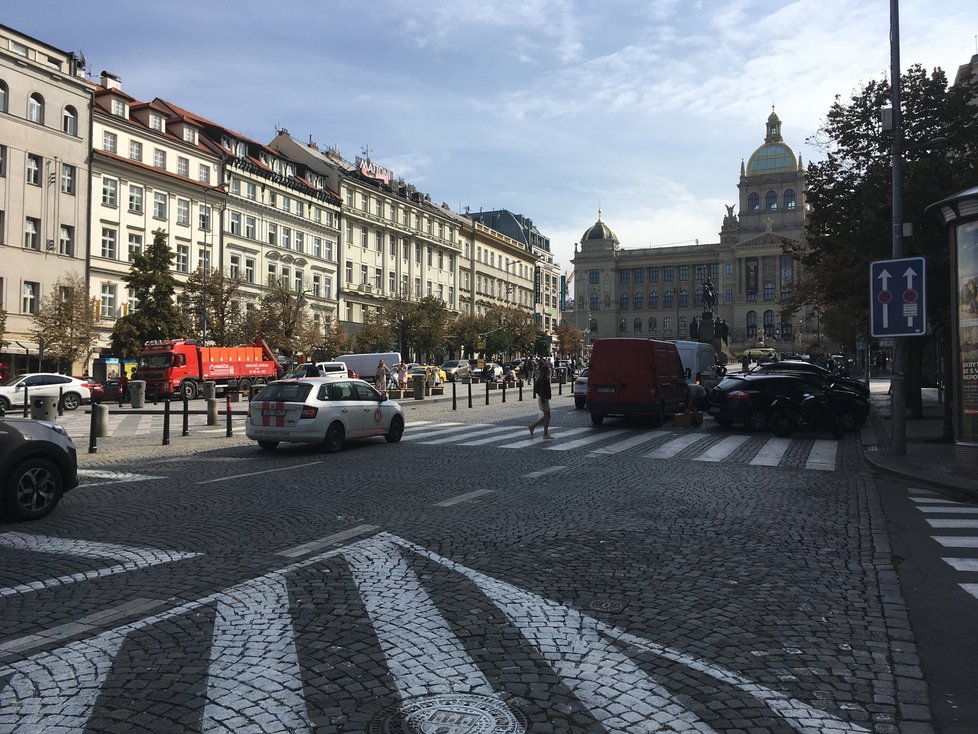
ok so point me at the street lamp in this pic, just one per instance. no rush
(675, 295)
(206, 260)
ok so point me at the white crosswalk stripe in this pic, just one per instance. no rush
(630, 443)
(958, 518)
(772, 452)
(670, 449)
(722, 450)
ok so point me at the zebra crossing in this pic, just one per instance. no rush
(258, 673)
(955, 529)
(703, 445)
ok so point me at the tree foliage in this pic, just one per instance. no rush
(333, 338)
(375, 335)
(570, 340)
(217, 295)
(510, 330)
(65, 322)
(464, 333)
(282, 319)
(156, 315)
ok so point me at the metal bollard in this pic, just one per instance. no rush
(470, 393)
(186, 415)
(211, 411)
(92, 436)
(156, 397)
(560, 387)
(166, 421)
(454, 400)
(61, 401)
(230, 430)
(521, 389)
(487, 393)
(27, 402)
(101, 413)
(504, 391)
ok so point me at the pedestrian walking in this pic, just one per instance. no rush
(402, 371)
(381, 378)
(541, 385)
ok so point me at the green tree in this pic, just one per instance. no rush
(426, 329)
(375, 335)
(510, 330)
(282, 319)
(216, 294)
(464, 332)
(850, 194)
(65, 322)
(333, 339)
(570, 340)
(156, 315)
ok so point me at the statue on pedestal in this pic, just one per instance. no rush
(709, 295)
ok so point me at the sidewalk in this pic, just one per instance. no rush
(929, 459)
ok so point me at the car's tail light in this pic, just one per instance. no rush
(309, 411)
(699, 378)
(738, 395)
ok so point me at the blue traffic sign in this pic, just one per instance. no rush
(897, 302)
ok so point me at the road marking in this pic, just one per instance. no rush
(253, 657)
(132, 558)
(952, 523)
(771, 452)
(954, 541)
(971, 589)
(593, 438)
(415, 424)
(723, 449)
(962, 564)
(949, 510)
(512, 433)
(930, 501)
(481, 430)
(537, 439)
(442, 428)
(334, 539)
(463, 497)
(258, 473)
(670, 449)
(822, 455)
(544, 472)
(114, 477)
(630, 443)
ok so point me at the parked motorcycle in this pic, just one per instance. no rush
(815, 412)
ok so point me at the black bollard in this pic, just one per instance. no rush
(470, 393)
(61, 401)
(122, 393)
(521, 389)
(560, 387)
(156, 396)
(92, 438)
(504, 390)
(166, 421)
(454, 400)
(487, 393)
(186, 415)
(27, 402)
(227, 398)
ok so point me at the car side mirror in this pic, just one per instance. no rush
(687, 373)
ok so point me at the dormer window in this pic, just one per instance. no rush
(241, 150)
(277, 167)
(190, 135)
(155, 122)
(226, 142)
(290, 170)
(118, 107)
(263, 157)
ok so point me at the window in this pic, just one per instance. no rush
(363, 238)
(653, 299)
(637, 326)
(297, 280)
(364, 274)
(684, 272)
(234, 223)
(769, 330)
(594, 302)
(667, 299)
(155, 121)
(683, 297)
(118, 107)
(698, 272)
(159, 158)
(204, 173)
(713, 271)
(3, 160)
(30, 297)
(182, 261)
(32, 234)
(135, 198)
(272, 233)
(728, 295)
(317, 246)
(683, 327)
(348, 271)
(250, 191)
(249, 270)
(728, 268)
(392, 281)
(639, 299)
(108, 301)
(135, 245)
(638, 276)
(667, 325)
(789, 199)
(768, 290)
(417, 287)
(135, 150)
(698, 296)
(250, 227)
(379, 241)
(34, 169)
(624, 277)
(66, 240)
(300, 242)
(594, 277)
(109, 241)
(286, 204)
(110, 142)
(183, 166)
(287, 238)
(751, 324)
(4, 92)
(132, 303)
(327, 287)
(753, 202)
(771, 200)
(190, 135)
(624, 301)
(653, 275)
(35, 108)
(378, 278)
(667, 274)
(159, 205)
(69, 121)
(328, 250)
(234, 265)
(652, 325)
(183, 211)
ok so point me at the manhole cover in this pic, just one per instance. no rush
(449, 713)
(607, 605)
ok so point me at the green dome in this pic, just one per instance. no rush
(599, 231)
(772, 158)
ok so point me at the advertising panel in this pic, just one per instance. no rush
(967, 341)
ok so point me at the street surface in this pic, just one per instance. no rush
(467, 579)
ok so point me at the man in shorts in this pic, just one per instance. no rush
(542, 386)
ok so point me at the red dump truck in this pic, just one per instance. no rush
(181, 367)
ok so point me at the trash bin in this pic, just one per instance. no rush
(210, 390)
(44, 407)
(137, 393)
(234, 394)
(418, 381)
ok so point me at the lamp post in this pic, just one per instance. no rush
(675, 295)
(208, 243)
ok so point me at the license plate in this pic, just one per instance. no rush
(606, 389)
(273, 413)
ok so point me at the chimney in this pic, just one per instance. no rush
(111, 81)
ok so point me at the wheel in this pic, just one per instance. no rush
(782, 425)
(579, 402)
(838, 425)
(244, 387)
(33, 489)
(597, 419)
(847, 420)
(756, 421)
(268, 445)
(396, 430)
(334, 438)
(70, 400)
(188, 389)
(4, 405)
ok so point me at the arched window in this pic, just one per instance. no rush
(594, 302)
(789, 199)
(69, 121)
(637, 326)
(653, 299)
(624, 301)
(622, 326)
(751, 324)
(35, 108)
(667, 325)
(652, 325)
(3, 96)
(769, 323)
(683, 328)
(753, 202)
(683, 297)
(667, 299)
(771, 200)
(698, 296)
(639, 300)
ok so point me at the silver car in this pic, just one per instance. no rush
(72, 390)
(323, 411)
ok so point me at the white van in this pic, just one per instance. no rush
(699, 363)
(365, 365)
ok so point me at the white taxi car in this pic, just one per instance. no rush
(323, 411)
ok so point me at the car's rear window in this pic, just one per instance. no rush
(290, 392)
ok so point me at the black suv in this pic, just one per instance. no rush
(747, 399)
(38, 464)
(797, 365)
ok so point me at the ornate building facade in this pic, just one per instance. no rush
(657, 292)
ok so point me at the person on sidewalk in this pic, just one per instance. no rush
(541, 384)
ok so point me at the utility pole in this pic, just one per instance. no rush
(898, 416)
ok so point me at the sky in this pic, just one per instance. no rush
(554, 109)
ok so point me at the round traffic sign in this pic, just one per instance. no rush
(910, 296)
(885, 296)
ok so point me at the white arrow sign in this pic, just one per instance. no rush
(909, 274)
(885, 277)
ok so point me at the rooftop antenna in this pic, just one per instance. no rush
(366, 152)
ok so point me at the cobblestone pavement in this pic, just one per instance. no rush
(467, 579)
